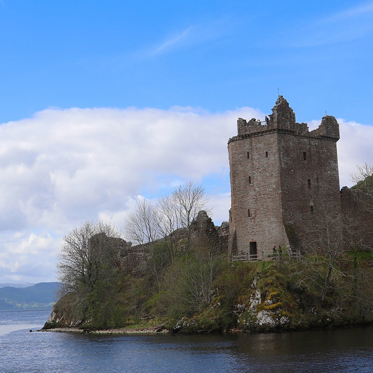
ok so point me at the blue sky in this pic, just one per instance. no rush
(216, 55)
(103, 102)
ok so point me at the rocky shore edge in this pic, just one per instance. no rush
(119, 331)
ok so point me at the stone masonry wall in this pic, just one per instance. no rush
(310, 191)
(255, 191)
(357, 213)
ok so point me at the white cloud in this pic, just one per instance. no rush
(354, 148)
(63, 167)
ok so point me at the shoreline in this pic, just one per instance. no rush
(159, 330)
(119, 331)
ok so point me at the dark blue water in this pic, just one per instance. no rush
(344, 350)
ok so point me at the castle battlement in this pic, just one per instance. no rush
(283, 120)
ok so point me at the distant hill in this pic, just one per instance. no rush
(22, 285)
(41, 295)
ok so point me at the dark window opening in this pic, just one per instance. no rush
(311, 208)
(253, 249)
(249, 179)
(309, 183)
(266, 154)
(305, 156)
(248, 213)
(248, 154)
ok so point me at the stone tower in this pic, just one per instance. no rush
(284, 184)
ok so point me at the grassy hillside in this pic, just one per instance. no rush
(37, 296)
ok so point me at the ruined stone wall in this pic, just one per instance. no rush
(357, 215)
(130, 258)
(205, 236)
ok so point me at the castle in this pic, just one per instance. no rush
(284, 193)
(285, 188)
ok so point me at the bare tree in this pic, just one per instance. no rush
(155, 226)
(169, 223)
(150, 222)
(169, 217)
(142, 225)
(362, 173)
(189, 199)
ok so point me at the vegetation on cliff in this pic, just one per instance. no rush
(185, 283)
(200, 292)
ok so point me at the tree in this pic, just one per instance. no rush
(363, 177)
(150, 222)
(188, 284)
(87, 262)
(169, 222)
(142, 225)
(188, 200)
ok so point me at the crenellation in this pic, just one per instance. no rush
(252, 126)
(302, 128)
(282, 120)
(329, 128)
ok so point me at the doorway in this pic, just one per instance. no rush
(253, 251)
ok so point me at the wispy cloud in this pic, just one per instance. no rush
(347, 25)
(193, 35)
(174, 41)
(360, 10)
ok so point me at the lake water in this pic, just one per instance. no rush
(343, 350)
